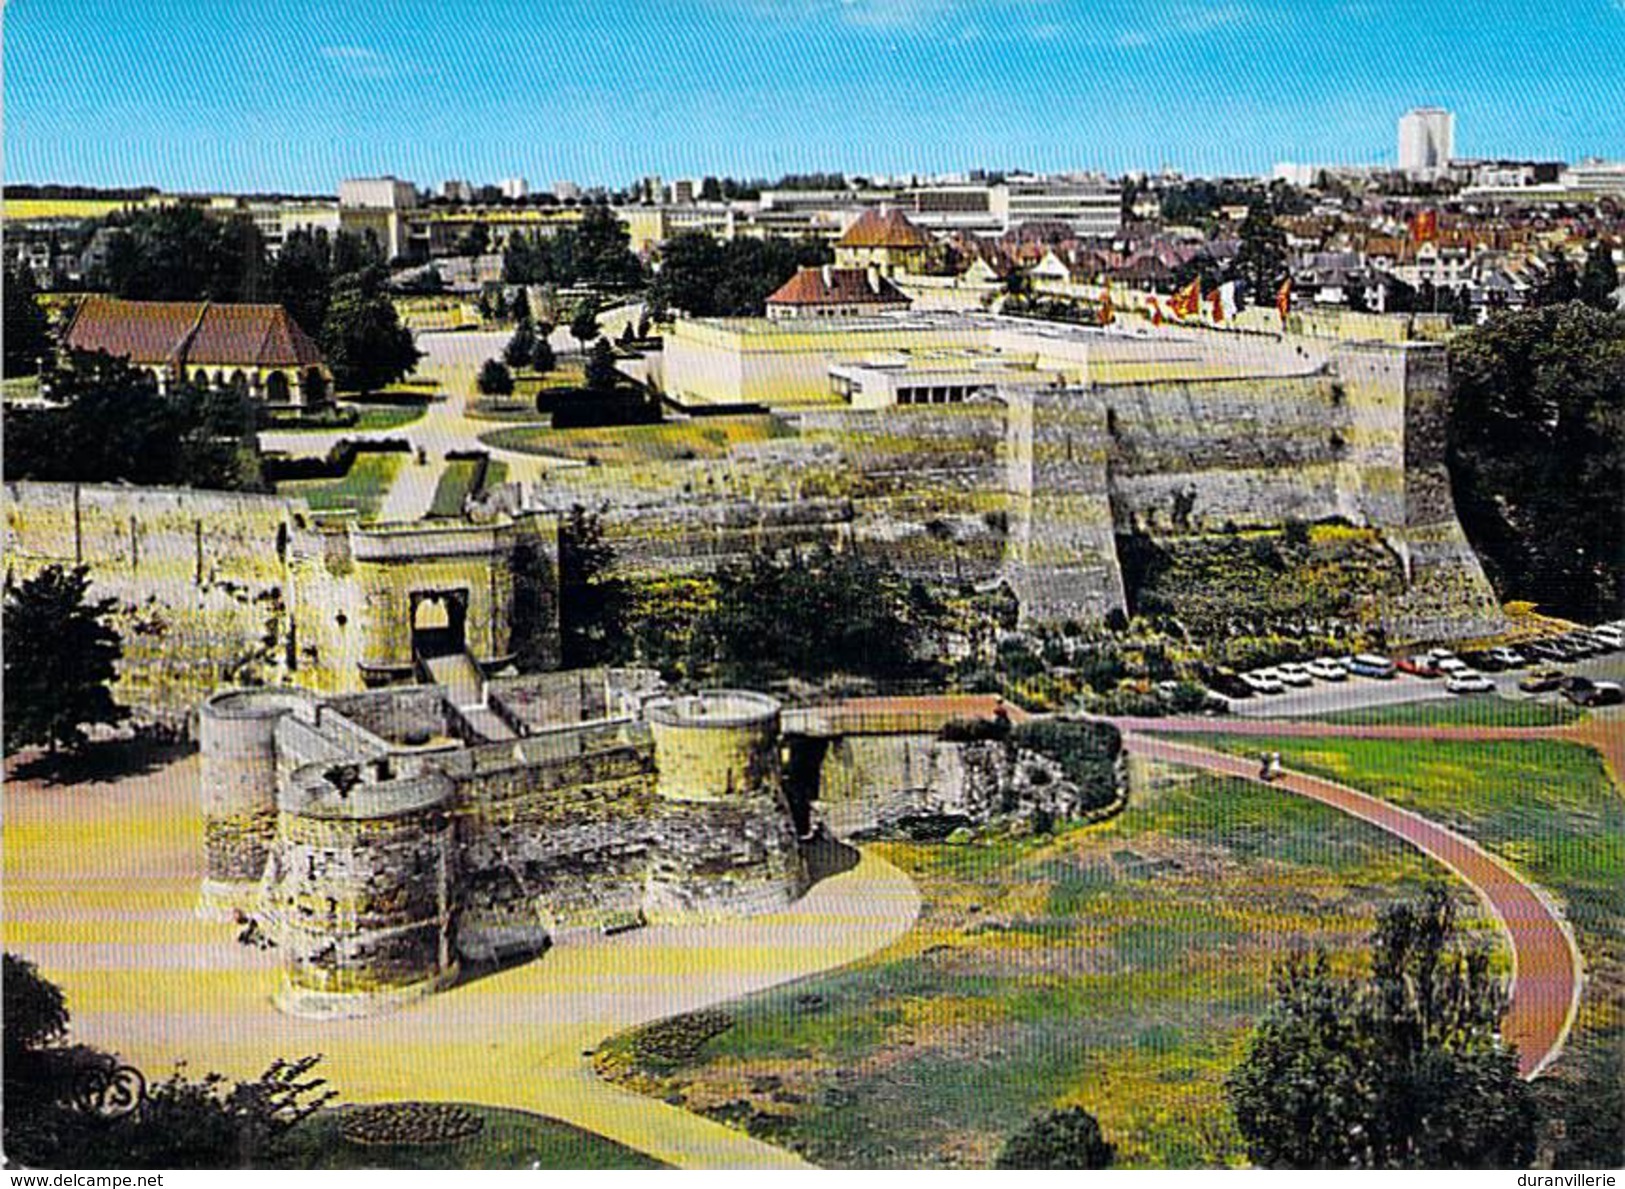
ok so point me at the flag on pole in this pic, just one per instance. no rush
(1188, 301)
(1107, 314)
(1156, 313)
(1283, 299)
(1425, 227)
(1224, 303)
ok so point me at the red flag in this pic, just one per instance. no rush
(1187, 301)
(1156, 313)
(1107, 315)
(1425, 226)
(1216, 305)
(1283, 299)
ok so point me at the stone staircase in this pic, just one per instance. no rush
(460, 678)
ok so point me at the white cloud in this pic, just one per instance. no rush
(1189, 20)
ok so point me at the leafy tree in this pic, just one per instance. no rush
(27, 337)
(1403, 1068)
(604, 257)
(302, 278)
(1537, 454)
(1261, 261)
(111, 425)
(542, 359)
(1560, 284)
(584, 324)
(592, 604)
(1599, 279)
(474, 242)
(706, 278)
(520, 309)
(61, 658)
(602, 378)
(495, 378)
(710, 190)
(1069, 1139)
(522, 345)
(365, 343)
(180, 254)
(35, 1012)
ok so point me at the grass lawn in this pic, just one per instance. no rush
(19, 387)
(709, 437)
(1479, 711)
(364, 488)
(509, 1139)
(371, 416)
(1117, 966)
(1550, 810)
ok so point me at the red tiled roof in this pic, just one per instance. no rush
(890, 229)
(837, 286)
(191, 332)
(143, 331)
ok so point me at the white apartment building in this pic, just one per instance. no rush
(1427, 141)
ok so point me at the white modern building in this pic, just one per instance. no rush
(1427, 141)
(457, 190)
(514, 188)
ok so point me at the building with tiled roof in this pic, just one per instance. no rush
(883, 239)
(829, 292)
(258, 348)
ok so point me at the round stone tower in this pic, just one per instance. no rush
(360, 890)
(717, 745)
(238, 778)
(726, 841)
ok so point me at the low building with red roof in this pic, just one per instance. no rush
(258, 348)
(829, 292)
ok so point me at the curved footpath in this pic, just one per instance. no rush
(1546, 964)
(101, 880)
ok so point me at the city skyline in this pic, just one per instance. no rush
(763, 88)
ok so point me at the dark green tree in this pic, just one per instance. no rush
(584, 324)
(706, 278)
(542, 359)
(61, 657)
(520, 309)
(710, 190)
(1261, 261)
(1537, 454)
(521, 346)
(365, 343)
(592, 603)
(302, 278)
(602, 252)
(1560, 284)
(180, 254)
(1069, 1139)
(27, 333)
(35, 1013)
(1401, 1068)
(495, 379)
(474, 242)
(602, 378)
(1599, 279)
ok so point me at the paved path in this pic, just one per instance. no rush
(1547, 969)
(101, 880)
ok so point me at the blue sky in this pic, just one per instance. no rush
(294, 94)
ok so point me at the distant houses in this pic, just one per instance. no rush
(257, 348)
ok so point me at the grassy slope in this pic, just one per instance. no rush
(510, 1139)
(364, 488)
(1485, 711)
(1546, 807)
(712, 437)
(1118, 966)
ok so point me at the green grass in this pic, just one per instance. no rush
(19, 387)
(455, 485)
(370, 417)
(710, 437)
(1119, 966)
(1479, 711)
(364, 488)
(510, 1139)
(1549, 809)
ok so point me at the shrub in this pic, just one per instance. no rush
(495, 378)
(1086, 751)
(1069, 1139)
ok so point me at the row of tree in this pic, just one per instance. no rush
(595, 252)
(705, 277)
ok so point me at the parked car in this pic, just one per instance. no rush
(1583, 691)
(1510, 658)
(1484, 660)
(1469, 682)
(1543, 681)
(1369, 664)
(1293, 674)
(1327, 669)
(1546, 650)
(1609, 635)
(1229, 684)
(1579, 645)
(1261, 683)
(1452, 665)
(1418, 666)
